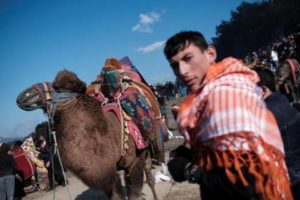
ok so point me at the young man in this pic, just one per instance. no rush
(237, 151)
(288, 120)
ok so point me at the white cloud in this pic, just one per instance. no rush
(152, 47)
(146, 21)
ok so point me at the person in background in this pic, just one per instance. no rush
(26, 168)
(8, 168)
(297, 42)
(46, 156)
(51, 163)
(236, 148)
(274, 58)
(288, 81)
(174, 110)
(288, 120)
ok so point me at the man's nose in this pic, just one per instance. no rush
(183, 67)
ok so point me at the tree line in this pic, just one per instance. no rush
(254, 25)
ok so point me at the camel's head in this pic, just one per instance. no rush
(66, 81)
(35, 96)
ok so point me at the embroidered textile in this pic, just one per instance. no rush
(229, 127)
(131, 127)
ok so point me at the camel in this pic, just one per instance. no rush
(89, 140)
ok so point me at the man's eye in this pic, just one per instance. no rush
(187, 58)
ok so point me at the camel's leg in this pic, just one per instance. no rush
(117, 193)
(149, 177)
(134, 179)
(113, 187)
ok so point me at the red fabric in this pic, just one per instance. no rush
(132, 128)
(24, 163)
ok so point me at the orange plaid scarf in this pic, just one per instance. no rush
(228, 126)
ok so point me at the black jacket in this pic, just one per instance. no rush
(288, 120)
(8, 165)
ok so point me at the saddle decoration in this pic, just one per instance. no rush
(123, 82)
(127, 125)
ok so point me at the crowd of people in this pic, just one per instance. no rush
(27, 166)
(273, 54)
(282, 58)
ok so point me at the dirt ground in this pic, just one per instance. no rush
(166, 190)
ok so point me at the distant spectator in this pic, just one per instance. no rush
(265, 59)
(181, 88)
(252, 60)
(24, 165)
(288, 80)
(288, 122)
(162, 101)
(283, 49)
(297, 42)
(51, 162)
(8, 169)
(274, 59)
(174, 110)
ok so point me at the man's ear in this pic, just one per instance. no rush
(264, 88)
(212, 54)
(266, 91)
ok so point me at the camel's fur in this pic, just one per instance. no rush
(89, 142)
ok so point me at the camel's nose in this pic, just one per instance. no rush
(22, 100)
(18, 100)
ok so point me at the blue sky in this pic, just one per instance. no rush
(40, 37)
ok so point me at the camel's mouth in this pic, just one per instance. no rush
(29, 99)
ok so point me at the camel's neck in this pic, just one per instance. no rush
(58, 97)
(85, 111)
(60, 100)
(88, 139)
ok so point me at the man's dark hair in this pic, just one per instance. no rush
(181, 40)
(267, 78)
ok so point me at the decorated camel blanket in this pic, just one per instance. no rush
(123, 83)
(130, 127)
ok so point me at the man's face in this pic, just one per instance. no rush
(190, 65)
